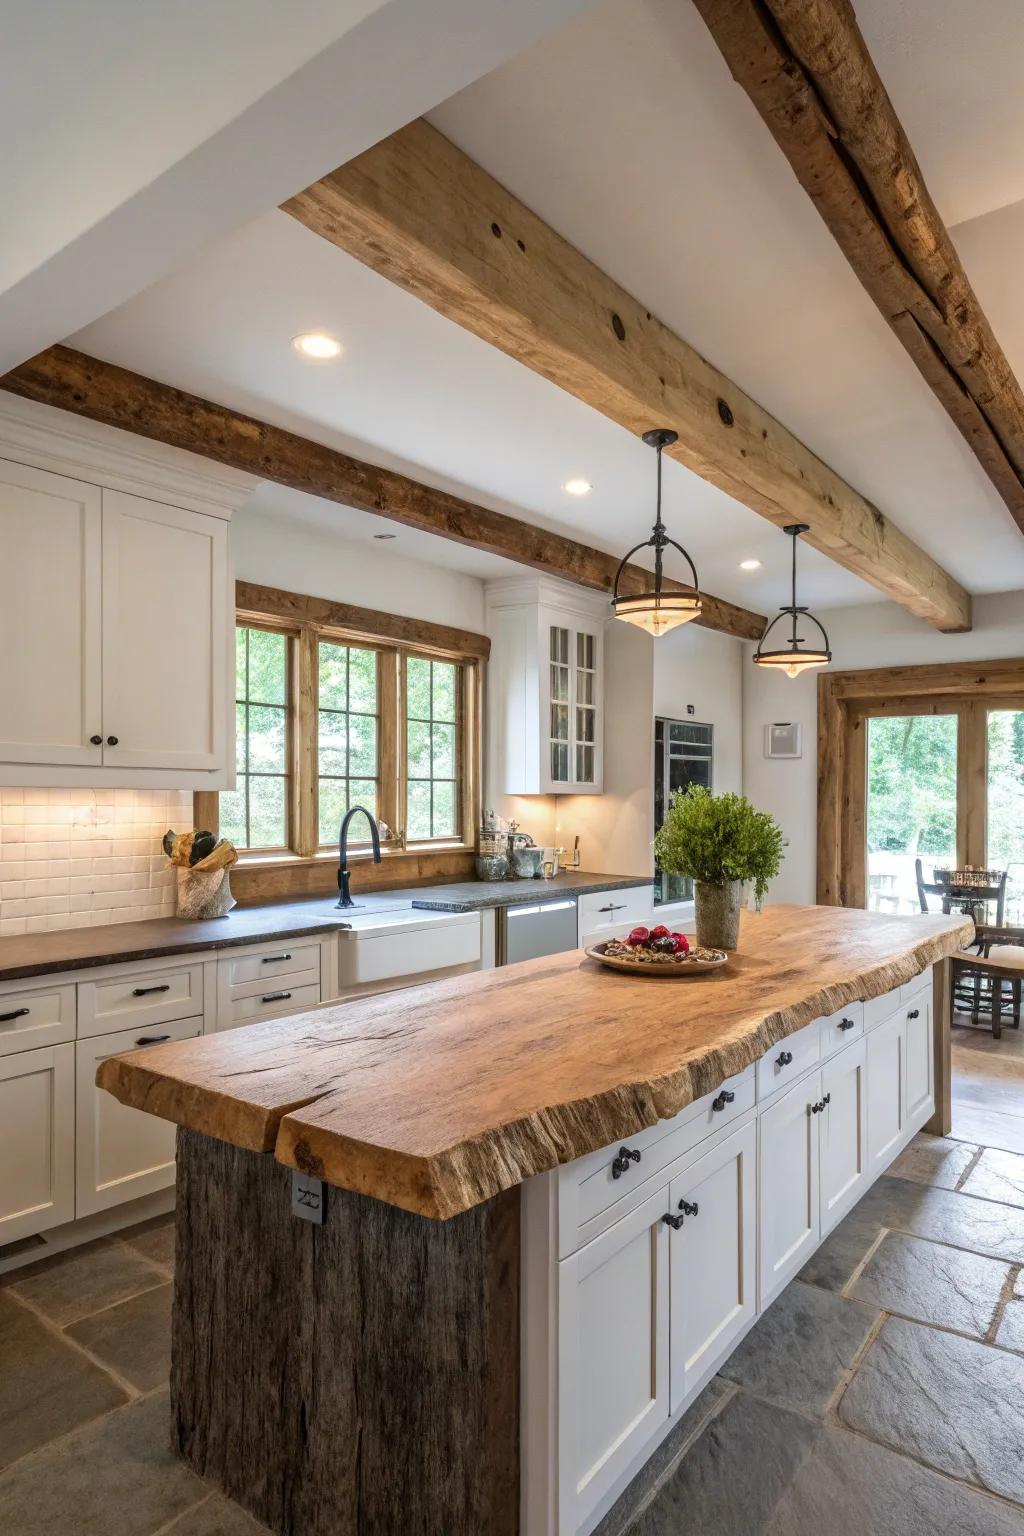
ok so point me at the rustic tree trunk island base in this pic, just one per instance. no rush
(364, 1376)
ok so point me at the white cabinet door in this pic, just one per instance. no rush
(571, 707)
(121, 1153)
(50, 706)
(843, 1133)
(712, 1258)
(613, 1311)
(37, 1141)
(919, 1061)
(887, 1092)
(789, 1173)
(165, 635)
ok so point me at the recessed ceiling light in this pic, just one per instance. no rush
(317, 345)
(578, 487)
(750, 565)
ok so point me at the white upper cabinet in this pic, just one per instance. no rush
(546, 691)
(118, 608)
(50, 697)
(165, 633)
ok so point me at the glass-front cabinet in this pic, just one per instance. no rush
(546, 686)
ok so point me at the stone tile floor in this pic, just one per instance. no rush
(881, 1395)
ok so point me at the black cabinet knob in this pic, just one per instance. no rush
(621, 1164)
(111, 741)
(689, 1207)
(915, 1013)
(96, 741)
(675, 1222)
(845, 1023)
(816, 1109)
(722, 1099)
(784, 1058)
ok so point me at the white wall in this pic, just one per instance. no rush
(705, 669)
(302, 557)
(874, 635)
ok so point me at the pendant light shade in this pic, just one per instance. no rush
(796, 654)
(658, 609)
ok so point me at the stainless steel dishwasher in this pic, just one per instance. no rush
(536, 928)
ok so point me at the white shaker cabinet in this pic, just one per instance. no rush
(50, 620)
(118, 608)
(613, 1310)
(843, 1133)
(789, 1184)
(546, 687)
(712, 1258)
(37, 1141)
(166, 623)
(887, 1092)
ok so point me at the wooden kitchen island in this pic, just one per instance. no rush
(489, 1328)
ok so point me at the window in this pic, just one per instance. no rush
(255, 813)
(348, 763)
(431, 749)
(327, 720)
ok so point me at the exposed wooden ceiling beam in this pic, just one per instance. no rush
(420, 212)
(807, 69)
(103, 392)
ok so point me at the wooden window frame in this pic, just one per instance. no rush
(307, 866)
(846, 700)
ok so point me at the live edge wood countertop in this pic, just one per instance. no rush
(437, 1097)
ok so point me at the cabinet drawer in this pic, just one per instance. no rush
(633, 905)
(121, 1153)
(289, 982)
(36, 1017)
(271, 1004)
(878, 1009)
(146, 999)
(599, 1189)
(841, 1028)
(283, 960)
(916, 985)
(785, 1061)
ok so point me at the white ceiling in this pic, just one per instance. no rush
(626, 133)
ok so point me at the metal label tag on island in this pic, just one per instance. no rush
(308, 1198)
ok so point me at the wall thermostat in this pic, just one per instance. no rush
(782, 739)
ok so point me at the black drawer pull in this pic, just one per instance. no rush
(675, 1222)
(784, 1058)
(621, 1164)
(273, 959)
(152, 1039)
(722, 1099)
(689, 1207)
(275, 997)
(915, 1013)
(613, 906)
(846, 1024)
(19, 1013)
(163, 986)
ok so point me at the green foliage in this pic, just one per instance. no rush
(912, 785)
(716, 838)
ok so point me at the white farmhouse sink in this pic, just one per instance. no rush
(404, 941)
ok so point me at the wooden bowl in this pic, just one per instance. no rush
(668, 968)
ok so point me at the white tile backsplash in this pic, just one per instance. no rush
(72, 858)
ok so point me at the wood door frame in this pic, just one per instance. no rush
(846, 700)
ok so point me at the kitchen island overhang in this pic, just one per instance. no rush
(364, 1375)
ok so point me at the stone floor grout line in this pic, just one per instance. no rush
(672, 1467)
(57, 1332)
(832, 1406)
(49, 1445)
(122, 1242)
(975, 1160)
(1005, 1295)
(167, 1529)
(862, 1263)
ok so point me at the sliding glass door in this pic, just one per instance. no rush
(911, 805)
(1004, 809)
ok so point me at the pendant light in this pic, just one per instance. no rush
(658, 610)
(797, 655)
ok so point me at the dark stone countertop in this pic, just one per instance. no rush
(72, 949)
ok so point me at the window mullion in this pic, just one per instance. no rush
(390, 741)
(304, 724)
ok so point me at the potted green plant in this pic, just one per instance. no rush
(719, 841)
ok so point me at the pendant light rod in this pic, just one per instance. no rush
(796, 655)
